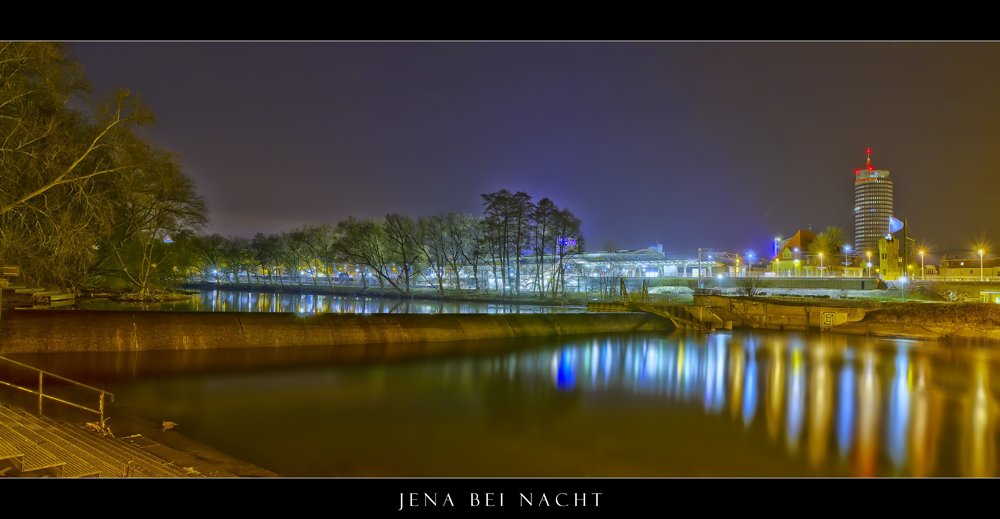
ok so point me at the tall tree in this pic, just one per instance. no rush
(59, 164)
(543, 239)
(497, 235)
(236, 252)
(522, 209)
(304, 245)
(508, 230)
(828, 244)
(155, 208)
(210, 250)
(570, 241)
(436, 247)
(407, 248)
(366, 243)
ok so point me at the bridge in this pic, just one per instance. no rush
(684, 317)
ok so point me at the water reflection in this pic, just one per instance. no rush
(643, 404)
(241, 301)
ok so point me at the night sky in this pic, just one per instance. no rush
(722, 145)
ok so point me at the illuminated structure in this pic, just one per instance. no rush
(872, 206)
(890, 262)
(789, 253)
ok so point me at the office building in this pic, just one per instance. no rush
(872, 207)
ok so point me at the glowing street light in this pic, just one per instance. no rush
(869, 263)
(847, 249)
(923, 271)
(821, 264)
(796, 268)
(980, 264)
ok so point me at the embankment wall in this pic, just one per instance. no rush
(44, 331)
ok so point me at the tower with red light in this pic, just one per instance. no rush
(872, 206)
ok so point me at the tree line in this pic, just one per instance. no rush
(87, 201)
(84, 197)
(516, 246)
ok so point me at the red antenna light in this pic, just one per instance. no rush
(869, 150)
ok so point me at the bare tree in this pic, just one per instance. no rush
(157, 207)
(366, 243)
(749, 287)
(406, 246)
(60, 165)
(543, 239)
(570, 242)
(436, 245)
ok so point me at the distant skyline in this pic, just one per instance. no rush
(722, 145)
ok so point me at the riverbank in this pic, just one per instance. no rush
(171, 445)
(357, 337)
(463, 296)
(929, 321)
(676, 294)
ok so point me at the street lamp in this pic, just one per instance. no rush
(980, 264)
(923, 271)
(821, 264)
(847, 249)
(796, 268)
(869, 263)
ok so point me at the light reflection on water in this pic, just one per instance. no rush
(243, 301)
(754, 403)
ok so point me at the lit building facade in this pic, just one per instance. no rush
(872, 207)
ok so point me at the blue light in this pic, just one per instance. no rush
(750, 392)
(845, 411)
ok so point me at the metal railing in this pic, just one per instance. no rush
(41, 394)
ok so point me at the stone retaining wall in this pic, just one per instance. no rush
(81, 330)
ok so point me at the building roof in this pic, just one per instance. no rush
(800, 241)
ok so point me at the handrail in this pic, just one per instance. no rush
(41, 394)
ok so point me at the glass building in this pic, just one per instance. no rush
(872, 207)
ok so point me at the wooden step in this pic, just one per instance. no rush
(108, 456)
(43, 429)
(35, 458)
(119, 452)
(73, 467)
(10, 455)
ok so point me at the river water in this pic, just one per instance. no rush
(749, 403)
(245, 301)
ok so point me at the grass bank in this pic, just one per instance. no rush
(930, 321)
(977, 316)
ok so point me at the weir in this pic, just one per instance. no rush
(95, 331)
(710, 312)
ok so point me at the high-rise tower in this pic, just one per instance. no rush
(872, 207)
